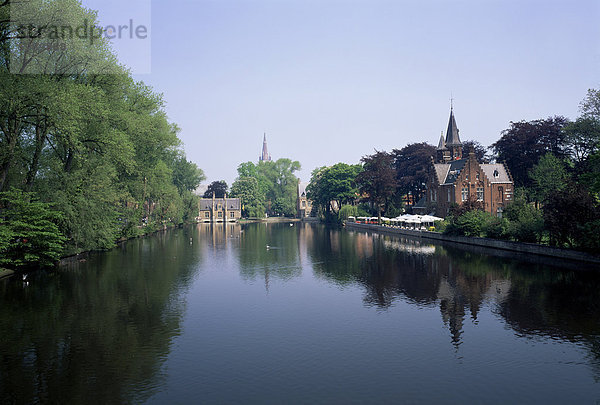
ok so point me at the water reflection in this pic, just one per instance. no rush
(100, 329)
(533, 299)
(270, 251)
(105, 328)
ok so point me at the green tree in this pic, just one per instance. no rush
(334, 184)
(548, 176)
(526, 223)
(246, 188)
(29, 234)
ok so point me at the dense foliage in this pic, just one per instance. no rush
(332, 187)
(95, 150)
(267, 187)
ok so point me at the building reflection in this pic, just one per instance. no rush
(534, 299)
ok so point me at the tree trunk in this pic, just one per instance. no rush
(11, 135)
(40, 140)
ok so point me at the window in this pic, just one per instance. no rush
(449, 195)
(479, 193)
(207, 214)
(232, 215)
(477, 176)
(501, 192)
(218, 206)
(303, 204)
(220, 214)
(464, 194)
(499, 212)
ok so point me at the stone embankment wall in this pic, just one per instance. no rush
(527, 248)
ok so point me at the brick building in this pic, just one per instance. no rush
(453, 179)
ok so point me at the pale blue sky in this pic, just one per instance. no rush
(329, 81)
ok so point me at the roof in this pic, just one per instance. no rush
(441, 170)
(232, 203)
(442, 144)
(454, 169)
(496, 172)
(302, 189)
(452, 137)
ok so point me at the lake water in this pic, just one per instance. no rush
(209, 314)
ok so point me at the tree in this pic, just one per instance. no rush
(481, 152)
(279, 183)
(219, 188)
(522, 145)
(246, 188)
(567, 216)
(378, 178)
(411, 163)
(549, 176)
(336, 183)
(526, 223)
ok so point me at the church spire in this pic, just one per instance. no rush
(452, 137)
(265, 153)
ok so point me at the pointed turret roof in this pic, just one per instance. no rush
(452, 137)
(442, 144)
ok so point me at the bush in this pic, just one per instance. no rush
(29, 235)
(496, 228)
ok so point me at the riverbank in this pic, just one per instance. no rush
(523, 248)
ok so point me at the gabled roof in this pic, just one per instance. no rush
(454, 170)
(452, 137)
(232, 203)
(302, 189)
(441, 171)
(496, 173)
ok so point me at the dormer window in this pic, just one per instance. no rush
(496, 174)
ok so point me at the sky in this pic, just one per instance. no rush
(333, 80)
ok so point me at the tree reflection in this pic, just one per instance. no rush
(534, 299)
(98, 329)
(269, 250)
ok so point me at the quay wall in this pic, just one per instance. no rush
(526, 248)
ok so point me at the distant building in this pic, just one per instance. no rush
(219, 209)
(304, 205)
(265, 157)
(454, 179)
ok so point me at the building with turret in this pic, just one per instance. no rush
(454, 178)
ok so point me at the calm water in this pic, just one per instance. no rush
(323, 316)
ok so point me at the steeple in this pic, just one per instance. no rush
(453, 142)
(452, 137)
(442, 144)
(265, 153)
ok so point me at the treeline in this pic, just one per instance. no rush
(384, 183)
(87, 155)
(555, 164)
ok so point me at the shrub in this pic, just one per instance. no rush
(29, 233)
